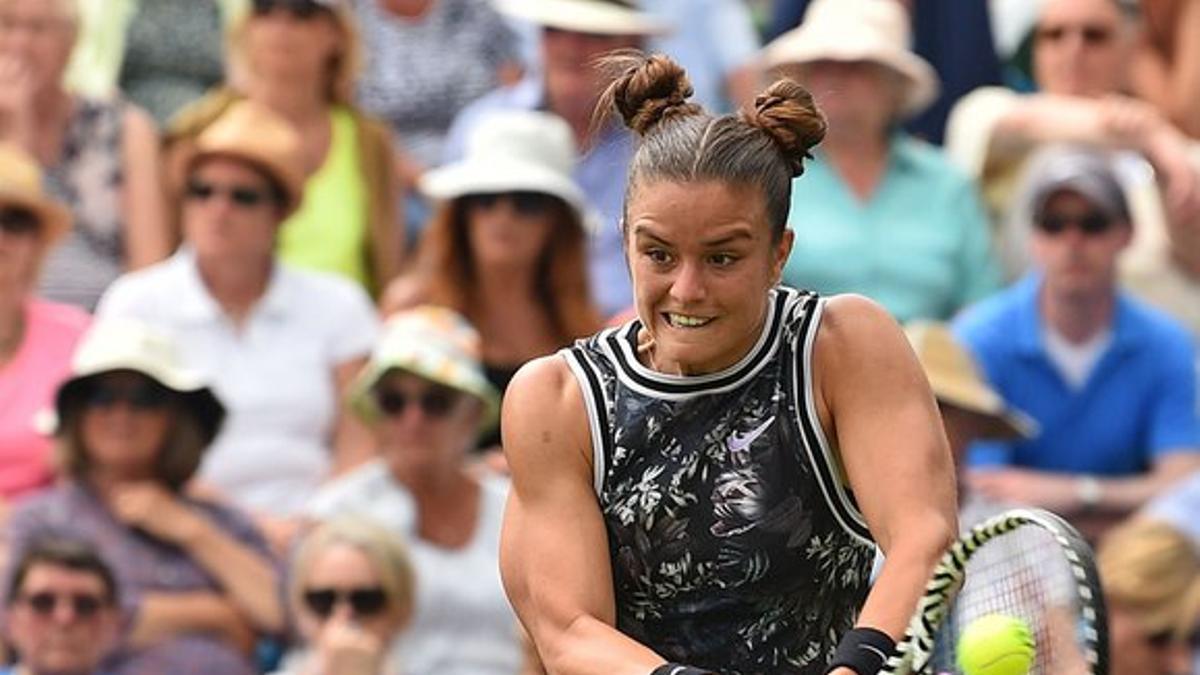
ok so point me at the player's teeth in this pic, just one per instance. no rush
(685, 321)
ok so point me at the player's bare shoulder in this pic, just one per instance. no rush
(855, 327)
(545, 422)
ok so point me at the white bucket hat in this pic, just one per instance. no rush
(434, 343)
(596, 17)
(112, 345)
(514, 151)
(858, 30)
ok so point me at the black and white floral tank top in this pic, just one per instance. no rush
(734, 543)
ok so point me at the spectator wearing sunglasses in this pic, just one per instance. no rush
(1082, 56)
(425, 395)
(1109, 380)
(196, 577)
(506, 247)
(1151, 578)
(351, 587)
(101, 156)
(61, 614)
(301, 60)
(37, 337)
(280, 344)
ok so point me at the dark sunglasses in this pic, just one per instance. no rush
(1093, 35)
(301, 9)
(240, 195)
(434, 402)
(146, 396)
(85, 606)
(524, 202)
(363, 601)
(18, 221)
(1090, 224)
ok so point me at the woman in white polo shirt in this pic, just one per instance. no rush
(279, 343)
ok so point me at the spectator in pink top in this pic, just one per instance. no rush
(36, 337)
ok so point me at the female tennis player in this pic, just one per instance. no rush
(701, 489)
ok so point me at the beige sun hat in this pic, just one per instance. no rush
(118, 344)
(251, 132)
(859, 30)
(596, 17)
(21, 185)
(434, 343)
(519, 150)
(956, 381)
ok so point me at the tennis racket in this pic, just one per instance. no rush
(1024, 563)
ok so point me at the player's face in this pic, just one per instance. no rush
(702, 259)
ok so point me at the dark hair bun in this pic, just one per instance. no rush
(645, 88)
(787, 112)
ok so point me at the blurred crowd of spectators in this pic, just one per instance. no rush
(267, 267)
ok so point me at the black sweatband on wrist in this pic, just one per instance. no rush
(863, 650)
(679, 669)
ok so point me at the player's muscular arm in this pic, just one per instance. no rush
(875, 398)
(553, 549)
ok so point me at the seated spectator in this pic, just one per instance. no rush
(37, 337)
(1151, 577)
(101, 157)
(300, 59)
(197, 577)
(280, 345)
(574, 34)
(879, 212)
(429, 60)
(426, 396)
(971, 410)
(506, 246)
(1110, 381)
(1081, 55)
(61, 616)
(1164, 69)
(351, 588)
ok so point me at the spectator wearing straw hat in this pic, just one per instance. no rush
(37, 337)
(507, 244)
(574, 34)
(197, 579)
(1110, 381)
(879, 212)
(280, 344)
(426, 397)
(300, 59)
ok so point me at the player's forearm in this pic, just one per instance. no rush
(589, 646)
(901, 582)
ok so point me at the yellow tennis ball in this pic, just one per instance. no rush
(996, 644)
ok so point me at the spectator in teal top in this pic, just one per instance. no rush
(879, 212)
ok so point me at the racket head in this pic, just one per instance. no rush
(1023, 563)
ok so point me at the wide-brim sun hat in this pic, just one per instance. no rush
(595, 17)
(956, 380)
(434, 343)
(119, 344)
(21, 186)
(252, 133)
(859, 30)
(514, 151)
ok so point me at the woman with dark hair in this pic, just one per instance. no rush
(197, 580)
(506, 246)
(706, 484)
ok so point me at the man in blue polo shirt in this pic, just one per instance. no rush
(1109, 380)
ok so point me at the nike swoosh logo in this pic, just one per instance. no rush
(739, 442)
